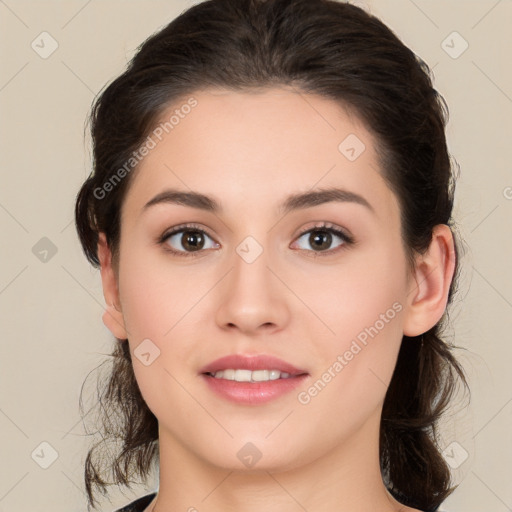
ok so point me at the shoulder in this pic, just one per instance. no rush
(139, 504)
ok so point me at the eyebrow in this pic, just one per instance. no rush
(298, 201)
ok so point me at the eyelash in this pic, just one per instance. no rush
(324, 226)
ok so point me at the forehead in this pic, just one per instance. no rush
(253, 148)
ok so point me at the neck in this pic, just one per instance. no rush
(346, 479)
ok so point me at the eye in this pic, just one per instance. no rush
(191, 240)
(320, 237)
(187, 240)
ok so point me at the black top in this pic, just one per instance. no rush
(140, 504)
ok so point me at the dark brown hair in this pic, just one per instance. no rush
(323, 47)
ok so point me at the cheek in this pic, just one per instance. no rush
(368, 288)
(162, 302)
(159, 304)
(361, 330)
(158, 296)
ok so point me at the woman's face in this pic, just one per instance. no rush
(263, 275)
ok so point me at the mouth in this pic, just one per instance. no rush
(241, 375)
(254, 363)
(252, 380)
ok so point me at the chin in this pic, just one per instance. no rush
(254, 455)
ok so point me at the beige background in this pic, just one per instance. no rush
(51, 329)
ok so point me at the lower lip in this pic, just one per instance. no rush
(253, 392)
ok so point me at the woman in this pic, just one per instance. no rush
(270, 208)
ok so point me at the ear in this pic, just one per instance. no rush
(112, 317)
(428, 293)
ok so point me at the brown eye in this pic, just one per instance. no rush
(321, 238)
(192, 240)
(185, 241)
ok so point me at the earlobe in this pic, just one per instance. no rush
(428, 294)
(112, 316)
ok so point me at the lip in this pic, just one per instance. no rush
(248, 362)
(252, 393)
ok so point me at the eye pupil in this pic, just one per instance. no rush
(315, 238)
(193, 240)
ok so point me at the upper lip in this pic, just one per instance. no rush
(251, 362)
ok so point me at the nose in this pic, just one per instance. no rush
(252, 298)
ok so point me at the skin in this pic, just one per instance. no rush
(250, 150)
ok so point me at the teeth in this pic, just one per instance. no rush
(250, 376)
